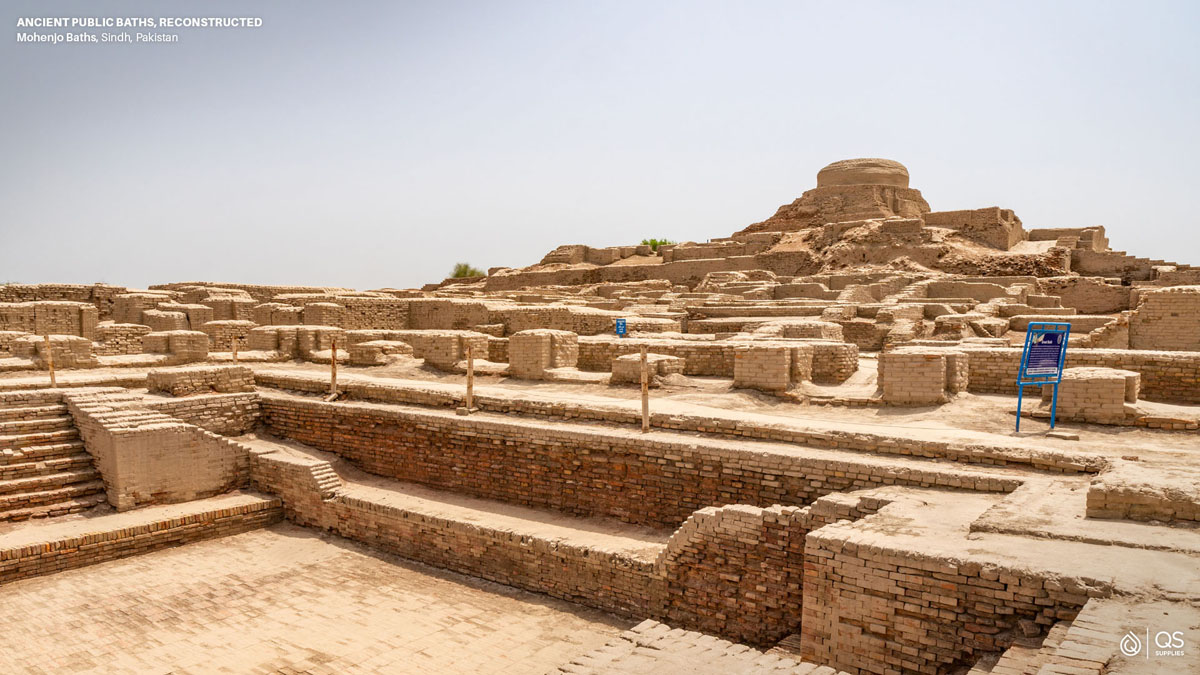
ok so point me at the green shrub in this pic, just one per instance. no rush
(655, 243)
(465, 270)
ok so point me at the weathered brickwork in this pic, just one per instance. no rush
(224, 414)
(147, 457)
(223, 333)
(200, 380)
(974, 453)
(1167, 319)
(1172, 377)
(68, 552)
(871, 609)
(583, 473)
(532, 352)
(119, 338)
(628, 369)
(184, 346)
(50, 317)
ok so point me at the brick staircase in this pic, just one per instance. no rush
(1027, 656)
(44, 469)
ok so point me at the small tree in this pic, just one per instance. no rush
(465, 270)
(655, 243)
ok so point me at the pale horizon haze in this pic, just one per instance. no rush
(376, 144)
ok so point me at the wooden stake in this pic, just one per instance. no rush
(50, 361)
(332, 369)
(645, 393)
(470, 379)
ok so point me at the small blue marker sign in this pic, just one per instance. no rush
(621, 327)
(1042, 361)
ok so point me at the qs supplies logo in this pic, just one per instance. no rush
(1163, 643)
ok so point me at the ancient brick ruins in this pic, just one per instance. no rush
(825, 477)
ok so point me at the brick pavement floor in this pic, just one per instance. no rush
(288, 600)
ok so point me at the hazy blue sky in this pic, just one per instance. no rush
(372, 144)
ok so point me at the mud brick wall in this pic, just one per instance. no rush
(200, 380)
(1129, 492)
(833, 362)
(376, 352)
(445, 348)
(119, 338)
(99, 295)
(532, 352)
(762, 367)
(147, 457)
(324, 314)
(197, 314)
(628, 369)
(912, 378)
(69, 351)
(222, 333)
(369, 313)
(7, 337)
(230, 308)
(48, 557)
(1094, 394)
(498, 349)
(223, 414)
(445, 313)
(872, 609)
(609, 581)
(1172, 377)
(128, 307)
(701, 358)
(994, 226)
(616, 473)
(298, 341)
(160, 320)
(50, 317)
(1088, 295)
(1168, 319)
(277, 314)
(184, 346)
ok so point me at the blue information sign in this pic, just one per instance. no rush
(1042, 361)
(621, 327)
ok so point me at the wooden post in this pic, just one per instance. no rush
(235, 344)
(332, 369)
(470, 380)
(645, 393)
(50, 361)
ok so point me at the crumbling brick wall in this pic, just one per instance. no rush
(532, 352)
(119, 338)
(200, 380)
(1167, 319)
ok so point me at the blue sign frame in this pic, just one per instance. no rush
(1042, 361)
(621, 330)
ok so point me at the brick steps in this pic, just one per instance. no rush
(62, 508)
(78, 460)
(47, 481)
(16, 503)
(44, 468)
(40, 452)
(1027, 655)
(31, 412)
(40, 424)
(17, 441)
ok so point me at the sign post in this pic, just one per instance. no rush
(621, 329)
(1042, 361)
